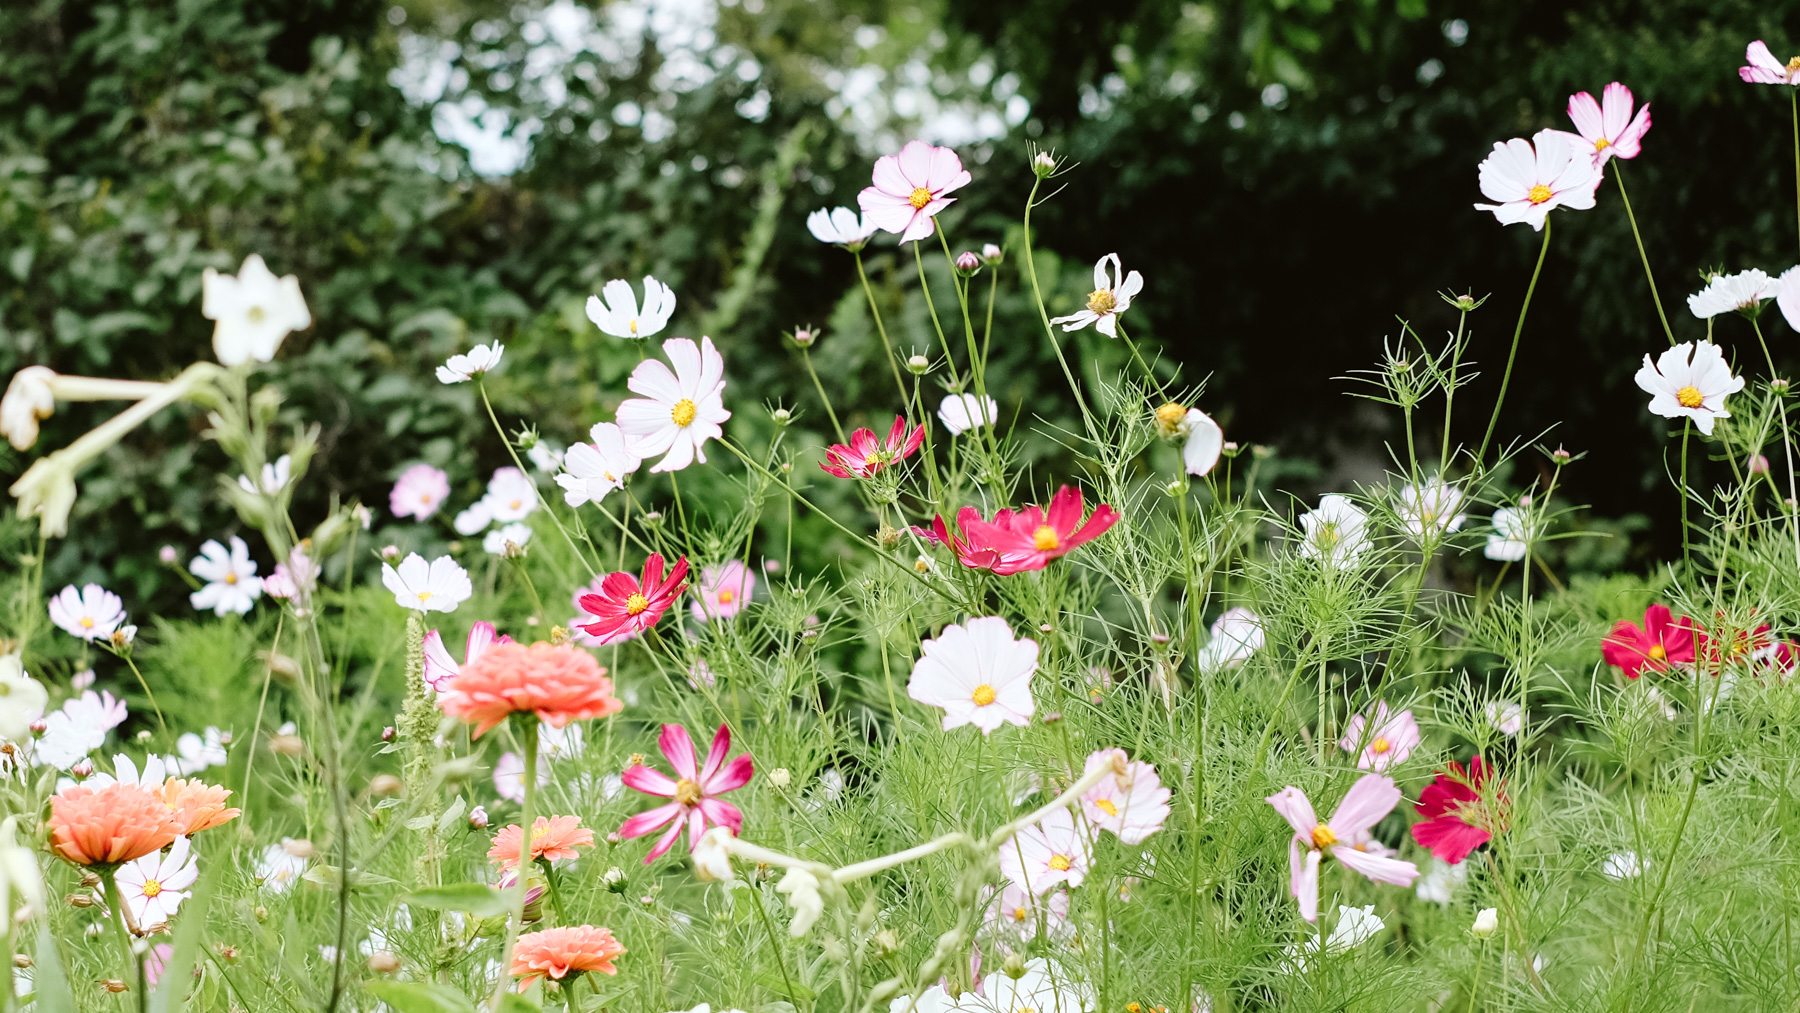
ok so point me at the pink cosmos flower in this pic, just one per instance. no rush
(909, 189)
(1658, 644)
(92, 613)
(1131, 807)
(418, 493)
(865, 455)
(1054, 850)
(723, 591)
(1528, 182)
(1028, 539)
(1370, 799)
(1458, 818)
(1765, 69)
(1609, 128)
(627, 606)
(695, 794)
(1015, 913)
(440, 667)
(1380, 741)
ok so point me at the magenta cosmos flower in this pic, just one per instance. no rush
(1607, 126)
(722, 591)
(1344, 836)
(865, 455)
(1026, 539)
(1765, 69)
(909, 189)
(418, 493)
(695, 803)
(627, 606)
(1380, 740)
(1527, 179)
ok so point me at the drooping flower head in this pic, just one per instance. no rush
(1763, 68)
(419, 492)
(1527, 179)
(680, 410)
(231, 581)
(1692, 381)
(1369, 800)
(252, 311)
(440, 667)
(555, 953)
(627, 606)
(1053, 850)
(865, 455)
(110, 825)
(592, 470)
(29, 399)
(1112, 295)
(1026, 539)
(1462, 811)
(559, 683)
(722, 591)
(618, 314)
(153, 887)
(841, 226)
(1132, 805)
(1202, 443)
(978, 673)
(438, 586)
(1335, 532)
(1379, 739)
(477, 361)
(693, 792)
(553, 839)
(92, 613)
(1608, 127)
(909, 189)
(962, 412)
(1657, 645)
(1743, 292)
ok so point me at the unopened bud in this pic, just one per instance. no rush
(967, 262)
(614, 838)
(287, 745)
(38, 727)
(168, 555)
(771, 566)
(1485, 923)
(383, 962)
(1159, 638)
(388, 733)
(1176, 487)
(80, 900)
(887, 943)
(782, 415)
(1465, 302)
(918, 365)
(21, 960)
(228, 954)
(1014, 967)
(478, 818)
(1046, 628)
(1759, 465)
(385, 784)
(90, 880)
(261, 913)
(809, 634)
(390, 552)
(1559, 456)
(991, 255)
(1042, 165)
(805, 336)
(114, 985)
(780, 777)
(299, 847)
(83, 769)
(653, 518)
(1053, 717)
(1779, 385)
(614, 880)
(888, 536)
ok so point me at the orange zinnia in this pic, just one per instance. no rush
(554, 953)
(559, 682)
(552, 839)
(197, 806)
(110, 825)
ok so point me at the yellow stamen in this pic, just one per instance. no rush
(1602, 144)
(87, 623)
(1106, 806)
(1045, 538)
(727, 596)
(1101, 301)
(231, 578)
(1060, 863)
(687, 792)
(636, 603)
(1327, 535)
(1689, 397)
(1658, 652)
(1539, 194)
(256, 315)
(424, 596)
(1020, 914)
(1381, 745)
(633, 325)
(1323, 836)
(983, 695)
(152, 887)
(683, 413)
(1793, 65)
(919, 198)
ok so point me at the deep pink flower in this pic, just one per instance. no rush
(1609, 128)
(695, 804)
(1345, 836)
(722, 591)
(440, 667)
(865, 455)
(1658, 644)
(1027, 539)
(627, 605)
(909, 189)
(1457, 818)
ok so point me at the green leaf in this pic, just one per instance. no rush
(50, 984)
(415, 997)
(513, 1002)
(478, 899)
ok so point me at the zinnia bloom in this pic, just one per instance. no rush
(1527, 183)
(1379, 740)
(1111, 296)
(1765, 69)
(1131, 806)
(560, 683)
(419, 491)
(1690, 380)
(592, 470)
(231, 581)
(153, 887)
(1457, 817)
(92, 613)
(865, 455)
(627, 606)
(1743, 292)
(679, 410)
(1609, 128)
(253, 311)
(841, 227)
(978, 673)
(909, 189)
(106, 826)
(695, 798)
(723, 591)
(1335, 532)
(553, 839)
(1028, 539)
(1658, 644)
(1053, 850)
(438, 586)
(1369, 800)
(440, 667)
(471, 364)
(197, 806)
(618, 313)
(553, 953)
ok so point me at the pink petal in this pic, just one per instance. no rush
(1294, 807)
(721, 745)
(1370, 799)
(696, 824)
(650, 819)
(889, 179)
(1617, 110)
(1586, 115)
(735, 775)
(723, 814)
(1306, 887)
(1375, 867)
(648, 781)
(679, 749)
(914, 163)
(665, 842)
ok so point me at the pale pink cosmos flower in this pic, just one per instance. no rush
(978, 673)
(1016, 911)
(419, 491)
(440, 667)
(1131, 806)
(1608, 127)
(1344, 836)
(680, 410)
(909, 189)
(92, 613)
(1052, 851)
(723, 591)
(1765, 69)
(1527, 179)
(1380, 740)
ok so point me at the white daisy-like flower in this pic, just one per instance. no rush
(1051, 851)
(438, 586)
(679, 410)
(78, 728)
(1015, 913)
(93, 613)
(475, 519)
(1690, 380)
(1506, 718)
(153, 887)
(963, 412)
(1530, 178)
(275, 477)
(198, 751)
(22, 698)
(471, 364)
(278, 869)
(231, 581)
(1355, 926)
(1236, 636)
(28, 400)
(841, 226)
(1509, 541)
(1335, 533)
(1111, 296)
(498, 539)
(253, 311)
(978, 673)
(618, 314)
(1131, 806)
(151, 776)
(1204, 442)
(1623, 865)
(545, 456)
(1440, 881)
(1045, 987)
(511, 495)
(1743, 292)
(1431, 509)
(593, 470)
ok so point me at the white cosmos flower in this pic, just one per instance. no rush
(152, 776)
(496, 541)
(29, 398)
(1507, 718)
(545, 456)
(1051, 851)
(593, 470)
(1622, 865)
(231, 581)
(153, 887)
(978, 673)
(618, 313)
(1132, 811)
(679, 410)
(1509, 542)
(471, 364)
(1015, 913)
(22, 699)
(1440, 881)
(1355, 926)
(511, 495)
(475, 519)
(93, 613)
(275, 477)
(279, 869)
(1111, 296)
(438, 586)
(1335, 532)
(1236, 636)
(841, 226)
(1045, 987)
(78, 728)
(932, 1000)
(1431, 509)
(1690, 380)
(1743, 292)
(1529, 178)
(1204, 442)
(963, 412)
(1787, 296)
(252, 311)
(198, 751)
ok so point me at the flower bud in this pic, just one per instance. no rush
(261, 913)
(38, 727)
(614, 880)
(1159, 638)
(299, 847)
(83, 769)
(114, 985)
(388, 733)
(385, 784)
(1465, 302)
(1758, 464)
(168, 555)
(287, 745)
(653, 518)
(478, 818)
(390, 552)
(991, 255)
(888, 536)
(771, 566)
(1485, 923)
(1778, 385)
(1053, 717)
(805, 336)
(20, 960)
(780, 777)
(90, 880)
(383, 962)
(1560, 457)
(228, 954)
(80, 900)
(1175, 487)
(782, 415)
(1046, 628)
(918, 365)
(1014, 967)
(363, 516)
(887, 943)
(1042, 165)
(967, 262)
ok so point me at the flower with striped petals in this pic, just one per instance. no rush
(693, 792)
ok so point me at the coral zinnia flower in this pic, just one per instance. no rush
(1345, 836)
(1457, 818)
(695, 802)
(1028, 539)
(909, 189)
(117, 823)
(197, 805)
(1609, 128)
(627, 606)
(1690, 380)
(553, 953)
(1658, 644)
(553, 839)
(1527, 181)
(865, 455)
(558, 682)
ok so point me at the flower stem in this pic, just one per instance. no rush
(527, 816)
(1619, 178)
(117, 903)
(880, 328)
(806, 357)
(1518, 329)
(1787, 442)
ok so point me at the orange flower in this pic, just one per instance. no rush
(197, 806)
(555, 952)
(117, 823)
(552, 839)
(560, 682)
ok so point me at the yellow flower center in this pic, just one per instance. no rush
(683, 413)
(636, 603)
(1045, 538)
(1106, 806)
(919, 198)
(1658, 652)
(1793, 65)
(1060, 863)
(425, 498)
(537, 832)
(255, 315)
(983, 695)
(1381, 745)
(516, 504)
(231, 578)
(1602, 144)
(87, 623)
(1020, 914)
(1323, 836)
(1101, 301)
(633, 325)
(424, 596)
(687, 792)
(1171, 414)
(1539, 194)
(152, 887)
(727, 596)
(1689, 397)
(1327, 535)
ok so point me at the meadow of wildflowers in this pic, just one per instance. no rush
(1145, 735)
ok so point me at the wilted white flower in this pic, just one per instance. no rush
(711, 859)
(1111, 296)
(231, 581)
(618, 315)
(29, 398)
(1743, 292)
(1204, 442)
(471, 364)
(438, 586)
(252, 311)
(962, 412)
(802, 890)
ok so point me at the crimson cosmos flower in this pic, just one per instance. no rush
(627, 606)
(1753, 648)
(1658, 644)
(695, 802)
(1457, 819)
(1027, 539)
(865, 455)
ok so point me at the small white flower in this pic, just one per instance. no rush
(593, 470)
(28, 400)
(275, 477)
(1743, 292)
(1111, 296)
(1335, 532)
(511, 495)
(512, 534)
(471, 364)
(1507, 718)
(1440, 881)
(231, 581)
(279, 869)
(545, 456)
(1486, 921)
(1509, 541)
(802, 889)
(153, 887)
(1045, 987)
(475, 519)
(711, 859)
(438, 586)
(1690, 380)
(197, 753)
(253, 311)
(22, 699)
(978, 673)
(1203, 444)
(840, 226)
(1622, 865)
(93, 613)
(618, 313)
(1355, 926)
(77, 729)
(1236, 636)
(963, 412)
(1431, 508)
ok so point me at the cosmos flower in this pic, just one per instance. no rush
(555, 953)
(722, 591)
(1528, 179)
(865, 455)
(438, 586)
(231, 581)
(1379, 740)
(841, 226)
(1692, 381)
(1431, 509)
(1016, 911)
(475, 362)
(553, 839)
(963, 412)
(93, 613)
(1045, 987)
(679, 410)
(1355, 926)
(1131, 806)
(1026, 539)
(1369, 800)
(22, 700)
(559, 683)
(1236, 637)
(1510, 538)
(77, 728)
(1203, 443)
(693, 792)
(592, 470)
(1609, 128)
(511, 495)
(275, 477)
(503, 540)
(1458, 819)
(440, 667)
(978, 673)
(618, 314)
(474, 519)
(1743, 292)
(1763, 68)
(1657, 645)
(627, 606)
(153, 887)
(278, 868)
(419, 491)
(1335, 532)
(1111, 296)
(252, 311)
(1051, 851)
(909, 189)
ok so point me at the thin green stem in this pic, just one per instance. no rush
(806, 357)
(527, 816)
(1619, 178)
(880, 327)
(1518, 329)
